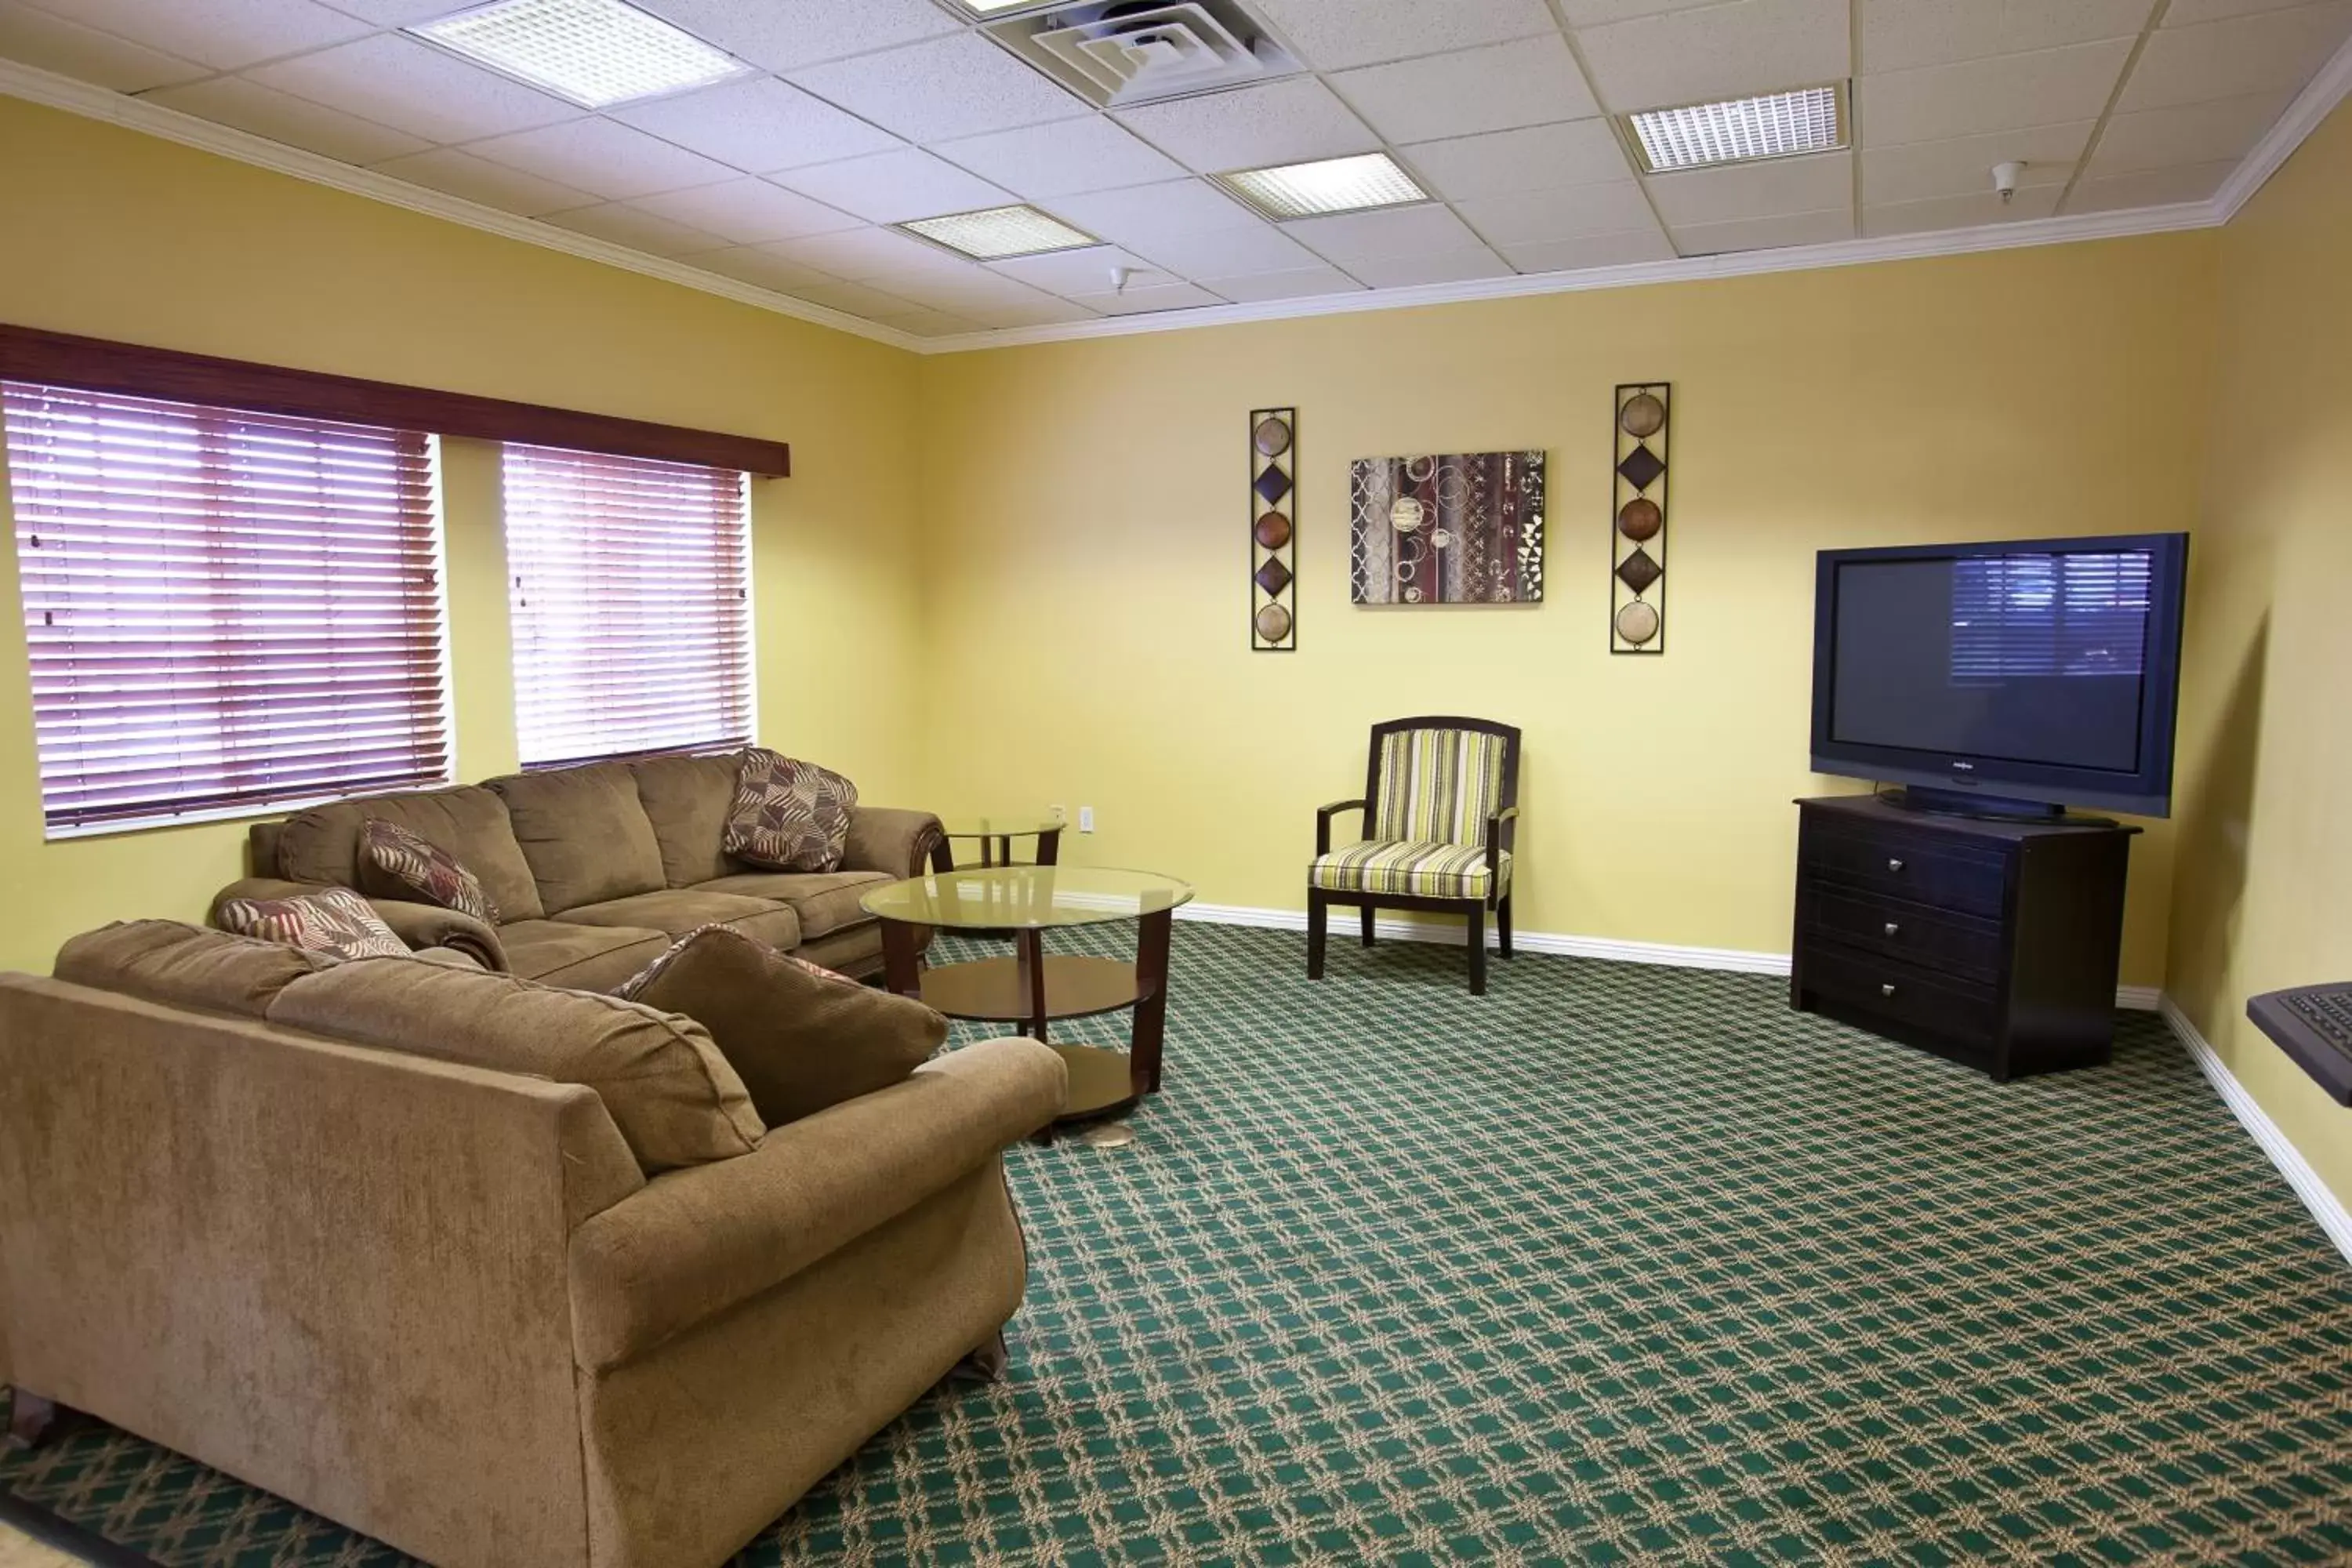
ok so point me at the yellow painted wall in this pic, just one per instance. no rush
(116, 234)
(2264, 891)
(1086, 506)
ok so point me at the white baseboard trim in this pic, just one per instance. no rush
(2324, 1205)
(1611, 950)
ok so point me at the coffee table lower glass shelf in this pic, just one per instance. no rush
(1032, 988)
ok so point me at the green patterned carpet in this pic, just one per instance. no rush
(1617, 1265)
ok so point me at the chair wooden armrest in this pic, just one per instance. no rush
(1323, 815)
(1495, 840)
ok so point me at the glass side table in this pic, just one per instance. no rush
(996, 835)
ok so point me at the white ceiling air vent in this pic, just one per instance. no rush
(1117, 53)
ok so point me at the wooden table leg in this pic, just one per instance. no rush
(1030, 958)
(1152, 1007)
(902, 963)
(1049, 845)
(942, 855)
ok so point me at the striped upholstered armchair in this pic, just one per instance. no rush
(1441, 799)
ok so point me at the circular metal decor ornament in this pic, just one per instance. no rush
(1405, 514)
(1639, 520)
(1637, 623)
(1643, 415)
(1273, 623)
(1272, 437)
(1273, 531)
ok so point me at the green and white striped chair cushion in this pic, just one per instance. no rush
(1438, 787)
(1414, 868)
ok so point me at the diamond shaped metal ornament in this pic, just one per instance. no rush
(1274, 577)
(1640, 468)
(1637, 571)
(1273, 485)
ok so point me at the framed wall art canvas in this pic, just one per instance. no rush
(1453, 529)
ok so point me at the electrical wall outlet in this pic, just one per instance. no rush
(1086, 819)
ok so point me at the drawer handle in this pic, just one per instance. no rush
(1887, 989)
(1894, 864)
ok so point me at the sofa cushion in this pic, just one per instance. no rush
(396, 862)
(583, 957)
(664, 1083)
(333, 921)
(825, 901)
(322, 844)
(801, 1037)
(787, 814)
(678, 910)
(185, 965)
(686, 798)
(584, 834)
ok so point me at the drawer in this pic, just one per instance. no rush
(1891, 989)
(1931, 938)
(1908, 867)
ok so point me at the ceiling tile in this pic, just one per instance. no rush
(391, 13)
(1580, 152)
(1158, 296)
(759, 266)
(1622, 248)
(1899, 33)
(1229, 252)
(638, 229)
(2191, 134)
(1064, 158)
(1354, 238)
(1290, 283)
(414, 88)
(2149, 187)
(1530, 217)
(1335, 34)
(957, 86)
(1143, 214)
(611, 160)
(975, 290)
(2188, 13)
(1745, 46)
(223, 33)
(758, 125)
(1048, 311)
(855, 298)
(891, 187)
(45, 39)
(747, 212)
(1764, 233)
(1597, 12)
(862, 254)
(1285, 121)
(1772, 189)
(476, 179)
(927, 323)
(1498, 87)
(282, 117)
(1972, 211)
(1445, 267)
(785, 35)
(1963, 166)
(2271, 51)
(2049, 87)
(1087, 271)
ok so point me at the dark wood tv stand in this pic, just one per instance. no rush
(1991, 944)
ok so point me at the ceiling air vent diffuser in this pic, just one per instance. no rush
(1125, 52)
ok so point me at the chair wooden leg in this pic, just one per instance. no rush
(1366, 912)
(1319, 914)
(984, 1362)
(1503, 926)
(29, 1419)
(1478, 948)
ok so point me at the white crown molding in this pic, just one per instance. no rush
(2324, 1205)
(2313, 105)
(55, 91)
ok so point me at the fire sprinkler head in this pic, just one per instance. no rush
(2005, 177)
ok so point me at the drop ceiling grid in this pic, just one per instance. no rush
(1476, 97)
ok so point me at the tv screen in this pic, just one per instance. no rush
(2039, 670)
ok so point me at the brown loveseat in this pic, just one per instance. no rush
(595, 870)
(447, 1306)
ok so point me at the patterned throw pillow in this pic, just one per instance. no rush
(396, 863)
(788, 816)
(336, 923)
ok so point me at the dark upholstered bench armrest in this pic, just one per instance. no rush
(882, 838)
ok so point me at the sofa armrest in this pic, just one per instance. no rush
(696, 1241)
(419, 925)
(883, 840)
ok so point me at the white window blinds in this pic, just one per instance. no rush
(632, 613)
(226, 611)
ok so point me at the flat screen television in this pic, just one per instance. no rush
(2009, 679)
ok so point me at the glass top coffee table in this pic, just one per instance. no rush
(1032, 987)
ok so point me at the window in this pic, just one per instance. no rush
(226, 612)
(632, 616)
(2083, 614)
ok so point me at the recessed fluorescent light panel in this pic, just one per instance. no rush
(596, 53)
(996, 7)
(1329, 185)
(999, 233)
(1739, 129)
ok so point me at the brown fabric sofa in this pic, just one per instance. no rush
(447, 1306)
(595, 870)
